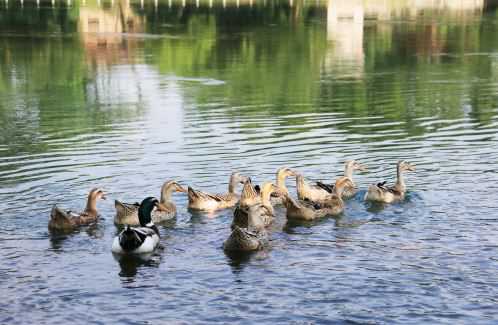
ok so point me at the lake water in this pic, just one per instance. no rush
(125, 95)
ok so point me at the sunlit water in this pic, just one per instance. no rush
(126, 97)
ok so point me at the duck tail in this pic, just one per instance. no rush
(128, 239)
(59, 219)
(373, 192)
(120, 207)
(195, 195)
(124, 209)
(192, 194)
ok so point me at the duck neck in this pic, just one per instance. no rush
(265, 197)
(232, 184)
(91, 204)
(300, 183)
(400, 182)
(281, 182)
(348, 171)
(338, 190)
(166, 192)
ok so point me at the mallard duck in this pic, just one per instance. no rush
(61, 220)
(282, 174)
(253, 203)
(198, 200)
(127, 213)
(306, 210)
(381, 193)
(139, 240)
(349, 191)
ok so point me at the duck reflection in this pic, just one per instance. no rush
(239, 260)
(130, 264)
(291, 225)
(59, 236)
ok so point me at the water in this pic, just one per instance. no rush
(125, 97)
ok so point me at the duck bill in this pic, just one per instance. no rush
(362, 168)
(181, 189)
(103, 196)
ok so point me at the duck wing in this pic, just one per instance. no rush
(327, 187)
(194, 195)
(390, 189)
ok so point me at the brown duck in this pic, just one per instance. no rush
(306, 210)
(66, 220)
(203, 201)
(387, 194)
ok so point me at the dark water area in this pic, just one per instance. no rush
(126, 95)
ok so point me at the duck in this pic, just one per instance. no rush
(335, 202)
(350, 191)
(306, 210)
(252, 202)
(66, 220)
(303, 210)
(253, 237)
(139, 240)
(202, 201)
(282, 174)
(387, 194)
(127, 213)
(245, 240)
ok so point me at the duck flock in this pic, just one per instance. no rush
(253, 211)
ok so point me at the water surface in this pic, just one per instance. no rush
(125, 95)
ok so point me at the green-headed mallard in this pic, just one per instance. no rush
(198, 200)
(381, 193)
(127, 213)
(139, 240)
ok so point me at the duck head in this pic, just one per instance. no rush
(238, 178)
(145, 210)
(168, 188)
(175, 186)
(354, 165)
(285, 172)
(405, 166)
(266, 190)
(235, 179)
(97, 194)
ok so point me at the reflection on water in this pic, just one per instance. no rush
(130, 264)
(126, 94)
